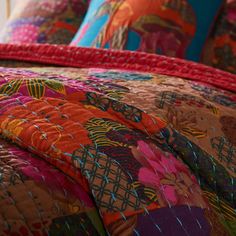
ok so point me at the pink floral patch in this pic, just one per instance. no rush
(26, 33)
(171, 179)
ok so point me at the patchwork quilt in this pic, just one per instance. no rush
(100, 142)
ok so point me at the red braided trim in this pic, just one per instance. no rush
(111, 59)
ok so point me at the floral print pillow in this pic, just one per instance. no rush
(221, 49)
(177, 28)
(43, 21)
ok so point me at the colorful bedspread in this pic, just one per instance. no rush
(105, 150)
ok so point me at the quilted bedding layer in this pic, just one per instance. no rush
(141, 146)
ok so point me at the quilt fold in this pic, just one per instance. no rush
(99, 142)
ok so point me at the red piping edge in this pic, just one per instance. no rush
(112, 59)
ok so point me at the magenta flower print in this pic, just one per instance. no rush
(169, 177)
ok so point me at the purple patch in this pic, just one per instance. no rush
(180, 220)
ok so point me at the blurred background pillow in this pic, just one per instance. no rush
(221, 48)
(44, 21)
(177, 28)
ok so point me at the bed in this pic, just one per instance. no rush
(105, 142)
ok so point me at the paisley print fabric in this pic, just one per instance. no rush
(115, 152)
(54, 21)
(221, 48)
(176, 28)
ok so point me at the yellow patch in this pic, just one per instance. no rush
(91, 107)
(12, 126)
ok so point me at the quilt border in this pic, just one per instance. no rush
(71, 56)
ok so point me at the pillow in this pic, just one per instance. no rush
(173, 28)
(43, 21)
(221, 49)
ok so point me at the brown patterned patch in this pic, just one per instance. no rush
(229, 128)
